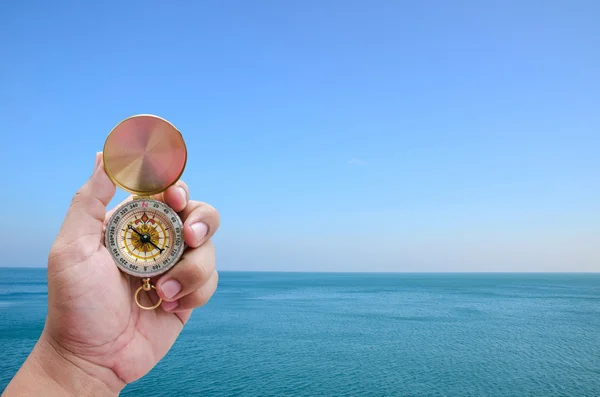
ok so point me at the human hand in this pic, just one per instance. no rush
(96, 339)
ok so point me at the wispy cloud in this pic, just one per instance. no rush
(356, 161)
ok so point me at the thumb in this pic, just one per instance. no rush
(81, 232)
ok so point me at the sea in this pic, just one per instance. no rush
(359, 334)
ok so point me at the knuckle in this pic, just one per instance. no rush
(211, 214)
(78, 197)
(185, 188)
(205, 208)
(202, 298)
(182, 184)
(212, 210)
(84, 201)
(217, 217)
(197, 273)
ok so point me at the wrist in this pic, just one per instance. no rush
(52, 371)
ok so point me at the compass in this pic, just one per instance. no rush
(144, 155)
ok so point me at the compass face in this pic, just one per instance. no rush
(145, 237)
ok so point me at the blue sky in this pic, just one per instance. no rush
(330, 135)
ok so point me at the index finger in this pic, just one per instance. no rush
(200, 223)
(176, 197)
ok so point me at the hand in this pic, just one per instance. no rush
(96, 339)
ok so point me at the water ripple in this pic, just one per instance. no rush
(269, 334)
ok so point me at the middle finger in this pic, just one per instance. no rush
(194, 269)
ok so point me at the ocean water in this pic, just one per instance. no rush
(294, 334)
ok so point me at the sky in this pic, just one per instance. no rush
(391, 136)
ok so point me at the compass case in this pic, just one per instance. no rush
(144, 155)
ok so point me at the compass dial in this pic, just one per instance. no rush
(145, 237)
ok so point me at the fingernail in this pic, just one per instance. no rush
(170, 288)
(168, 306)
(200, 229)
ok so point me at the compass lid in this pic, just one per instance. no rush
(144, 155)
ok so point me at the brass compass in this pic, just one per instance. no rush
(144, 155)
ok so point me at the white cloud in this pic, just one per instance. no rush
(357, 161)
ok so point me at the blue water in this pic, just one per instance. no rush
(277, 334)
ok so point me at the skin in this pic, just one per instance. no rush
(95, 339)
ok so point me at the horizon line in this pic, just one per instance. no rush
(366, 272)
